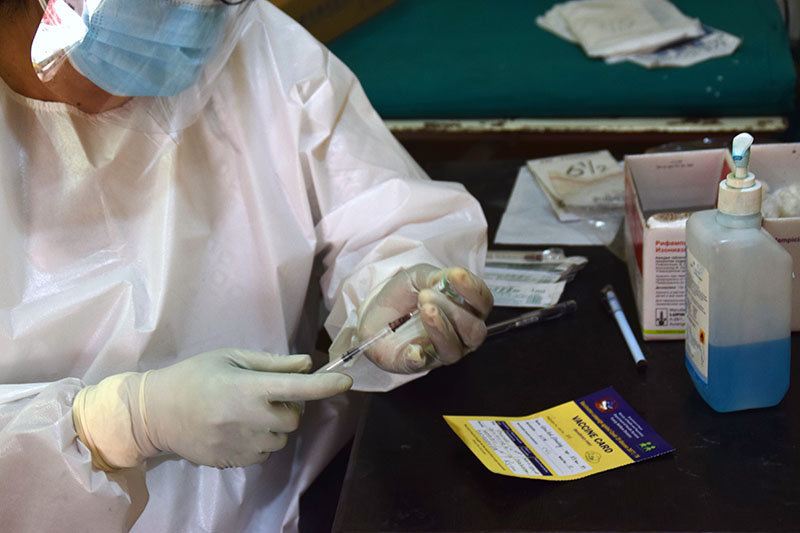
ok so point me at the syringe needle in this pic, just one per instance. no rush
(355, 352)
(442, 286)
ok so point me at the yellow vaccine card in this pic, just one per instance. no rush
(573, 440)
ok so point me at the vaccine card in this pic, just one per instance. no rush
(573, 440)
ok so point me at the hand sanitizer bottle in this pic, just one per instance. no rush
(738, 297)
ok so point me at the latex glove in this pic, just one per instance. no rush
(222, 408)
(449, 330)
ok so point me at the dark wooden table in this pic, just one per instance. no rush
(408, 471)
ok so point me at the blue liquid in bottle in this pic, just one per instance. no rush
(745, 376)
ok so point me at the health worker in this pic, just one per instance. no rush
(184, 181)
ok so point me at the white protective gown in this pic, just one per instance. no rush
(126, 249)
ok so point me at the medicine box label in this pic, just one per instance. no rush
(697, 303)
(573, 440)
(668, 290)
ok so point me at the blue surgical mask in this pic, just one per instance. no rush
(148, 47)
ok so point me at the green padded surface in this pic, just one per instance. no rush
(489, 59)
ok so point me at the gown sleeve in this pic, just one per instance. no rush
(377, 210)
(46, 475)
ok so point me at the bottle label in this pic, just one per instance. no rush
(697, 305)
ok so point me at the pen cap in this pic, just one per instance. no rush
(610, 299)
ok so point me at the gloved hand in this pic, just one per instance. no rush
(222, 408)
(449, 330)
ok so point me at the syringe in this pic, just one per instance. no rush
(336, 365)
(353, 353)
(532, 317)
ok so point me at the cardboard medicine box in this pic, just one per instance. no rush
(778, 166)
(660, 191)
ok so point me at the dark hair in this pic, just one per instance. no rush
(8, 7)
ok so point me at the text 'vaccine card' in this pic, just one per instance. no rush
(573, 440)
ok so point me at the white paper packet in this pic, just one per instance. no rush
(620, 27)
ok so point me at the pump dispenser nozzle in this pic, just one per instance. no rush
(741, 154)
(739, 192)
